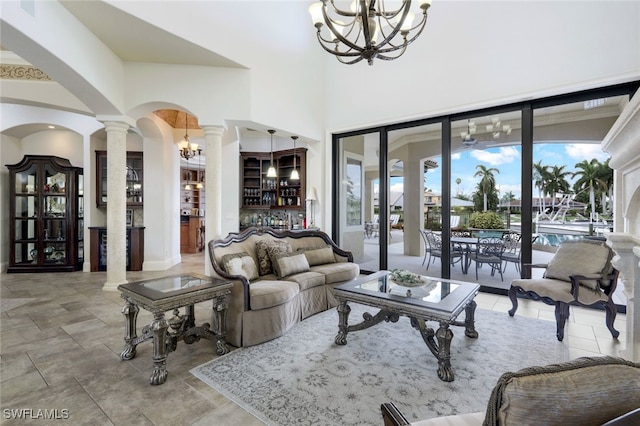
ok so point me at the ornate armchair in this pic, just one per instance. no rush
(579, 274)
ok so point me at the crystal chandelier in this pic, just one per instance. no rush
(188, 149)
(383, 34)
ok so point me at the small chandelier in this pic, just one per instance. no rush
(294, 173)
(496, 128)
(383, 34)
(272, 170)
(467, 137)
(188, 149)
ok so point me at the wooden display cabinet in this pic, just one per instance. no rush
(46, 215)
(134, 256)
(261, 192)
(135, 178)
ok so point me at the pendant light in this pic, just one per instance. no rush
(271, 173)
(294, 173)
(199, 184)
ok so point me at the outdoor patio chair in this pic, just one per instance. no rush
(488, 250)
(579, 274)
(427, 247)
(512, 247)
(435, 250)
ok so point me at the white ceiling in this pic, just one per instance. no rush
(138, 41)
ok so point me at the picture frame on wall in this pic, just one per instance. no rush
(129, 217)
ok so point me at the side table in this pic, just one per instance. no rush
(159, 295)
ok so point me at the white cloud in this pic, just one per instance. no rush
(456, 156)
(503, 156)
(585, 151)
(397, 187)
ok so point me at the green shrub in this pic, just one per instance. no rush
(486, 220)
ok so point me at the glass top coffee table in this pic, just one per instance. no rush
(434, 299)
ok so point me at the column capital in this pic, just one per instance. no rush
(210, 130)
(116, 120)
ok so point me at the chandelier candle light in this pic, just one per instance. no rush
(372, 32)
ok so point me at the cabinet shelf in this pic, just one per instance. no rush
(135, 179)
(46, 211)
(261, 192)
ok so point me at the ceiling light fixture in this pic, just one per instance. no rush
(467, 137)
(188, 149)
(373, 32)
(199, 184)
(294, 173)
(496, 128)
(271, 173)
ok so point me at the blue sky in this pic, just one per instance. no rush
(507, 161)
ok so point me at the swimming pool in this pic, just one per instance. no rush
(555, 239)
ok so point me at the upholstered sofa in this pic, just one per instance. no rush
(279, 278)
(586, 391)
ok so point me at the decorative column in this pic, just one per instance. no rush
(116, 204)
(213, 188)
(627, 249)
(413, 205)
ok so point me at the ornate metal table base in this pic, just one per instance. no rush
(166, 333)
(438, 342)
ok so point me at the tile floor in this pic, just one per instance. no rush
(61, 336)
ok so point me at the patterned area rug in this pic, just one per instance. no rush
(304, 378)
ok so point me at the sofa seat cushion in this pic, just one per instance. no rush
(307, 280)
(559, 290)
(266, 293)
(337, 272)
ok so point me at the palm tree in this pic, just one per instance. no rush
(605, 178)
(588, 179)
(540, 178)
(557, 183)
(458, 182)
(487, 181)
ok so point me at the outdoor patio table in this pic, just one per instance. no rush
(468, 243)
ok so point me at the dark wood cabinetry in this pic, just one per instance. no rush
(135, 248)
(46, 215)
(261, 192)
(135, 179)
(192, 193)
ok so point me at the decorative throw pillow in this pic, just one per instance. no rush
(318, 255)
(584, 257)
(264, 248)
(285, 264)
(240, 264)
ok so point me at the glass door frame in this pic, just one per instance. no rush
(527, 109)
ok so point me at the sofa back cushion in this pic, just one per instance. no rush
(240, 264)
(585, 391)
(285, 264)
(268, 248)
(318, 255)
(581, 257)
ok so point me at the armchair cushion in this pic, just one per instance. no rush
(584, 257)
(583, 391)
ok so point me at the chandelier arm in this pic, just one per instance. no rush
(337, 34)
(405, 43)
(396, 28)
(340, 11)
(338, 53)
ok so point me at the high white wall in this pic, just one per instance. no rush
(482, 53)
